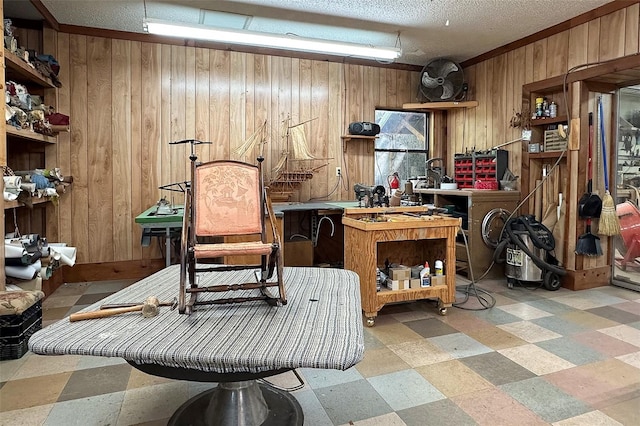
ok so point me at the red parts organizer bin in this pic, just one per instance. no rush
(480, 171)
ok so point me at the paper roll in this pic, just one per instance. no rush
(67, 254)
(14, 251)
(28, 272)
(12, 182)
(46, 272)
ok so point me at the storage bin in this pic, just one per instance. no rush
(15, 331)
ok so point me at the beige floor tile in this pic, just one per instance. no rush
(394, 333)
(54, 313)
(624, 333)
(626, 412)
(592, 418)
(536, 359)
(381, 361)
(524, 311)
(529, 331)
(493, 407)
(419, 352)
(453, 378)
(412, 315)
(9, 367)
(60, 301)
(587, 319)
(40, 365)
(464, 321)
(390, 419)
(31, 392)
(138, 379)
(575, 300)
(632, 359)
(34, 416)
(152, 402)
(495, 338)
(71, 289)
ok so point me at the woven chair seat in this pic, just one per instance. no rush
(202, 251)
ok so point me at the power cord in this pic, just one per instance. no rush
(486, 300)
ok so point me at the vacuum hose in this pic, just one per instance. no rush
(527, 224)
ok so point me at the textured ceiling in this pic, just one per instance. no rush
(475, 26)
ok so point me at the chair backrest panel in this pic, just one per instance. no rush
(227, 199)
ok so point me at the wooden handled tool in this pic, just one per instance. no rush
(172, 304)
(149, 309)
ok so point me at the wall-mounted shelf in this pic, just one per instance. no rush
(13, 204)
(544, 155)
(548, 120)
(29, 135)
(347, 138)
(16, 68)
(441, 105)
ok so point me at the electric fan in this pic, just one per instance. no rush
(442, 80)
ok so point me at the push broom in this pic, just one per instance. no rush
(609, 224)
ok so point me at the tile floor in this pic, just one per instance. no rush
(537, 357)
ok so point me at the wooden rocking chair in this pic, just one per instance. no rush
(228, 198)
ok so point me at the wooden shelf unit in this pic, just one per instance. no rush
(406, 239)
(440, 105)
(30, 135)
(26, 149)
(17, 69)
(348, 138)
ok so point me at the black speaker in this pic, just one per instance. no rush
(364, 128)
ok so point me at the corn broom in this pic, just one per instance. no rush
(609, 223)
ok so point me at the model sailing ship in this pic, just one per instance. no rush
(292, 168)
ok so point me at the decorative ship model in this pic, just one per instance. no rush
(289, 173)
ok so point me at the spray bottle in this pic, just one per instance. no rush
(425, 276)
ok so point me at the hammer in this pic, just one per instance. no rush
(173, 304)
(149, 309)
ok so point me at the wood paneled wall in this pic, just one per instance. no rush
(497, 82)
(497, 85)
(129, 99)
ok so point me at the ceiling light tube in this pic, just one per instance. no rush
(276, 41)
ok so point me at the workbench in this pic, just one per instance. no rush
(154, 225)
(405, 238)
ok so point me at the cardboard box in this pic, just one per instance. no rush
(298, 253)
(415, 282)
(400, 273)
(398, 284)
(438, 280)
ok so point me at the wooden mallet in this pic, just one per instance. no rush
(149, 309)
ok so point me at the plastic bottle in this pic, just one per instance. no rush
(425, 276)
(553, 110)
(439, 267)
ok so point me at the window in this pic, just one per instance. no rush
(402, 145)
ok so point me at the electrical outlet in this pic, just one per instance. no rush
(338, 171)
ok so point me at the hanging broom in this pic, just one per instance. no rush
(609, 224)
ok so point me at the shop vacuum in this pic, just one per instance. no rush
(528, 245)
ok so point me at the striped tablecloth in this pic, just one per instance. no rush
(320, 327)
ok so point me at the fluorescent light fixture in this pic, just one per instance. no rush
(275, 41)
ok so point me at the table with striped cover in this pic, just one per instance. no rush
(319, 327)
